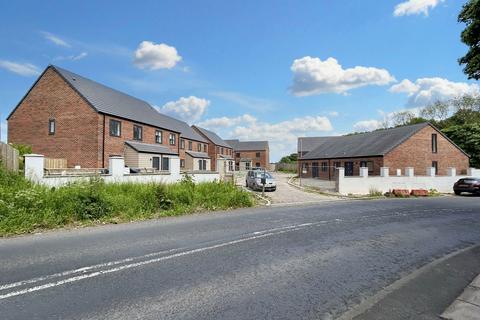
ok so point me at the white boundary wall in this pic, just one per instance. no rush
(363, 184)
(34, 171)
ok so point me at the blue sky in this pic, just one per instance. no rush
(270, 70)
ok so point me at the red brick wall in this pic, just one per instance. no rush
(416, 152)
(116, 145)
(330, 173)
(77, 126)
(264, 159)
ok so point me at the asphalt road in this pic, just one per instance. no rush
(303, 262)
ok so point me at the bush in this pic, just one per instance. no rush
(25, 207)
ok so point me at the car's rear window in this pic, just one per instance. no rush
(468, 181)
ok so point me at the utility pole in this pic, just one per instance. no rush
(300, 165)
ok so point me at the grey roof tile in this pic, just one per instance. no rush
(212, 136)
(376, 143)
(150, 148)
(194, 154)
(238, 145)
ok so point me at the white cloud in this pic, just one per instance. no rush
(314, 76)
(333, 114)
(224, 122)
(415, 7)
(55, 39)
(3, 131)
(282, 136)
(23, 69)
(367, 125)
(189, 109)
(73, 57)
(428, 90)
(155, 56)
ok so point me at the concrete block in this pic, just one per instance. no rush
(384, 171)
(409, 171)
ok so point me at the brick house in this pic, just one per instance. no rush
(64, 115)
(250, 154)
(219, 151)
(419, 146)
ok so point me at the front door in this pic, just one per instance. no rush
(315, 169)
(349, 168)
(156, 163)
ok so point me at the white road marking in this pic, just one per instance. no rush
(266, 233)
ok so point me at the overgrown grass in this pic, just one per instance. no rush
(26, 207)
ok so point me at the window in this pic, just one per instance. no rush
(190, 145)
(305, 167)
(237, 155)
(158, 136)
(222, 150)
(434, 143)
(247, 165)
(156, 163)
(182, 163)
(324, 166)
(199, 147)
(367, 164)
(205, 147)
(257, 155)
(435, 165)
(137, 132)
(218, 149)
(230, 165)
(172, 139)
(51, 126)
(202, 165)
(257, 164)
(182, 143)
(165, 163)
(115, 128)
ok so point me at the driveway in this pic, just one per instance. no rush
(294, 262)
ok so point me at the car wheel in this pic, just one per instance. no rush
(458, 193)
(246, 183)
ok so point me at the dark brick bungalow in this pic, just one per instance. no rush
(419, 146)
(65, 115)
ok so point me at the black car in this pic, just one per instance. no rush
(470, 185)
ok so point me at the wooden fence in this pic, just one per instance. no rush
(9, 157)
(51, 163)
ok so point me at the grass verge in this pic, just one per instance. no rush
(26, 207)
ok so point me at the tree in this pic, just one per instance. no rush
(290, 158)
(467, 137)
(470, 15)
(402, 118)
(439, 110)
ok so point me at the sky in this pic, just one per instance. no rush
(251, 70)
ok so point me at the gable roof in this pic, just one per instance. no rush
(212, 136)
(238, 145)
(149, 148)
(376, 143)
(109, 101)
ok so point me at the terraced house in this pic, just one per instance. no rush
(67, 116)
(219, 151)
(250, 154)
(419, 146)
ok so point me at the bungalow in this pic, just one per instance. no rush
(65, 115)
(249, 154)
(219, 151)
(418, 146)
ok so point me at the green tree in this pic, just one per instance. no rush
(290, 158)
(467, 137)
(470, 15)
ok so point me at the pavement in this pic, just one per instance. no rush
(467, 305)
(295, 262)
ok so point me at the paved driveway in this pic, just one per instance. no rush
(286, 194)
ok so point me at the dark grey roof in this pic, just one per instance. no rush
(307, 144)
(376, 143)
(194, 154)
(225, 157)
(149, 148)
(113, 102)
(238, 145)
(212, 136)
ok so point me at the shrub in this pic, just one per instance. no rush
(374, 193)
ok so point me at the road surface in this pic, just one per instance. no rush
(302, 262)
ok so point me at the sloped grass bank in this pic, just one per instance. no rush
(26, 207)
